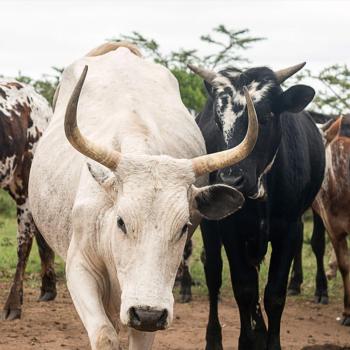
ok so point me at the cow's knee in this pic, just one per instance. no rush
(106, 339)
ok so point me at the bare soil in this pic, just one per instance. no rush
(55, 325)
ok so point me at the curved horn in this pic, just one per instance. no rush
(102, 155)
(206, 74)
(211, 162)
(283, 74)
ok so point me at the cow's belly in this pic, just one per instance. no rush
(53, 182)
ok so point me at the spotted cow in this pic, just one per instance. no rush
(23, 116)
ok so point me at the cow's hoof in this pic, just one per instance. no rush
(345, 321)
(321, 299)
(9, 314)
(274, 344)
(214, 346)
(48, 296)
(107, 339)
(293, 291)
(186, 298)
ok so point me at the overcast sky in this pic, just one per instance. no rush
(35, 35)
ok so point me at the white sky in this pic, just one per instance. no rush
(35, 35)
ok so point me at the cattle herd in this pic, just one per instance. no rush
(119, 196)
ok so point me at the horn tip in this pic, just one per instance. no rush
(191, 67)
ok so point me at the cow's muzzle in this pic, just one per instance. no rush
(147, 319)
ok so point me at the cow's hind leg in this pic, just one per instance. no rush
(284, 240)
(318, 245)
(12, 308)
(48, 276)
(213, 272)
(296, 279)
(341, 250)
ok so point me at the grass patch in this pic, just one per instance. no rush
(8, 246)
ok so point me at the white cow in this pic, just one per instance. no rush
(118, 207)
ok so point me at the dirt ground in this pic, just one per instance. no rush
(55, 325)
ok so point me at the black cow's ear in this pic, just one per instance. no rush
(217, 201)
(295, 99)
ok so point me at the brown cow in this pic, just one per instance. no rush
(332, 203)
(331, 210)
(23, 116)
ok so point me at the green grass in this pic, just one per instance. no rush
(8, 246)
(8, 258)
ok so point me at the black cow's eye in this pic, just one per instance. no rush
(121, 224)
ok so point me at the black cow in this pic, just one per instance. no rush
(279, 180)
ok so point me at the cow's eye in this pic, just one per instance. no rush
(121, 224)
(184, 230)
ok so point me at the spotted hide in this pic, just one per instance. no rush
(23, 116)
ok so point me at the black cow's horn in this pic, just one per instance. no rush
(212, 162)
(283, 74)
(206, 74)
(100, 154)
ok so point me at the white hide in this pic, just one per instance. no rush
(133, 106)
(228, 116)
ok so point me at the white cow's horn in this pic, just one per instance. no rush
(100, 154)
(212, 162)
(206, 74)
(283, 74)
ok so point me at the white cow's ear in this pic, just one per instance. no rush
(217, 201)
(103, 176)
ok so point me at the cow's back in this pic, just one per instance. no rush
(24, 115)
(298, 170)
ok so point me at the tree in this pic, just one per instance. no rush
(334, 97)
(46, 86)
(226, 44)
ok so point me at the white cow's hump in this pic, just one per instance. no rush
(126, 103)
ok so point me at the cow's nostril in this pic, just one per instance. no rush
(147, 319)
(162, 319)
(134, 317)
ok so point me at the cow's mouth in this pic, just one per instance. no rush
(257, 192)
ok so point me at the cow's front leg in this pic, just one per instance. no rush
(245, 283)
(12, 308)
(296, 279)
(340, 246)
(213, 276)
(86, 287)
(284, 242)
(140, 340)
